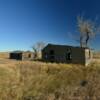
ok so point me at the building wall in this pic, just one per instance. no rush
(17, 56)
(77, 54)
(27, 56)
(88, 56)
(22, 56)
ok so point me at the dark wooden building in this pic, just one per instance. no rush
(20, 55)
(67, 54)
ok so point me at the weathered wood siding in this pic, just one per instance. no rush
(78, 55)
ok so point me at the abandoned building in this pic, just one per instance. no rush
(67, 54)
(20, 55)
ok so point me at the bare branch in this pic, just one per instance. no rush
(37, 48)
(88, 30)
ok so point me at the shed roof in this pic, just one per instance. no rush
(65, 46)
(18, 51)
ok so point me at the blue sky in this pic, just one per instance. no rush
(25, 22)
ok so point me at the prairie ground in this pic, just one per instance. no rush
(34, 80)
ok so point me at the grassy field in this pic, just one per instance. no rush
(97, 55)
(33, 80)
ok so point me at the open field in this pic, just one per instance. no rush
(97, 55)
(33, 80)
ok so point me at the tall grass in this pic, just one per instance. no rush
(46, 81)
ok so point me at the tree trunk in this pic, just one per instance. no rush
(87, 39)
(81, 43)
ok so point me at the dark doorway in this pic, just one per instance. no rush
(52, 55)
(69, 55)
(29, 56)
(51, 52)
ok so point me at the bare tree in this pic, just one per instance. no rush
(88, 29)
(38, 48)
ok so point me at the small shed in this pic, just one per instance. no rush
(67, 54)
(21, 55)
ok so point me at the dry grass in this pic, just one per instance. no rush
(31, 80)
(96, 55)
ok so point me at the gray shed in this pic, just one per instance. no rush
(67, 54)
(21, 55)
